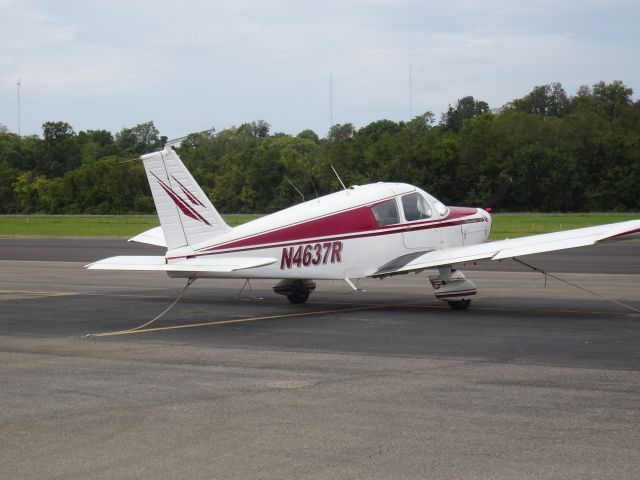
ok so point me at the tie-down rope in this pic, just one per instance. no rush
(157, 317)
(575, 285)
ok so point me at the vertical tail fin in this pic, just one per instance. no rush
(186, 215)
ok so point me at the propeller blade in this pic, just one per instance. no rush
(498, 194)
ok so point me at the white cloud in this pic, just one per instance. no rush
(189, 64)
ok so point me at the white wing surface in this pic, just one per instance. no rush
(517, 247)
(158, 264)
(151, 237)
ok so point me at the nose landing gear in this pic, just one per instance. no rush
(452, 287)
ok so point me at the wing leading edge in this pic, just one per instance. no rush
(501, 249)
(159, 264)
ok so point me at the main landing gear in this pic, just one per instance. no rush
(459, 304)
(452, 287)
(297, 291)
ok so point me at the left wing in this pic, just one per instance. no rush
(498, 250)
(159, 264)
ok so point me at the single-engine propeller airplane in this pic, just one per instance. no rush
(374, 230)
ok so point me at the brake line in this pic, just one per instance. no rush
(190, 281)
(575, 285)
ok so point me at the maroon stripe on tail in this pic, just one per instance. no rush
(189, 195)
(180, 203)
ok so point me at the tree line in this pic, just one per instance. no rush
(562, 153)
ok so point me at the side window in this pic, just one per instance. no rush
(415, 207)
(386, 213)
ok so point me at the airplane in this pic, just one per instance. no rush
(367, 231)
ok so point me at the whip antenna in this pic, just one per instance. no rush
(341, 182)
(296, 188)
(314, 186)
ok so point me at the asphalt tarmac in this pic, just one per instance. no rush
(533, 381)
(617, 257)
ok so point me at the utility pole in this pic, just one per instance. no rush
(330, 99)
(18, 84)
(410, 95)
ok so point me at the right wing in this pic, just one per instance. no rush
(516, 247)
(159, 264)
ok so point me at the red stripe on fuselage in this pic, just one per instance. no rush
(337, 227)
(360, 219)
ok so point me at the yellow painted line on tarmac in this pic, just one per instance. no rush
(38, 292)
(515, 309)
(245, 320)
(30, 294)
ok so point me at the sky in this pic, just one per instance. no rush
(191, 65)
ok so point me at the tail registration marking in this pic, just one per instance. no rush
(311, 254)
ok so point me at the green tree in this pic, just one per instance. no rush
(375, 130)
(544, 179)
(309, 135)
(341, 133)
(546, 100)
(141, 139)
(7, 179)
(56, 132)
(61, 151)
(466, 108)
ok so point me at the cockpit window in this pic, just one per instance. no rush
(415, 207)
(386, 213)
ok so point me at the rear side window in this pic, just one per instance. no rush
(386, 213)
(415, 207)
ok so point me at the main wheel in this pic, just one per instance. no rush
(459, 304)
(298, 297)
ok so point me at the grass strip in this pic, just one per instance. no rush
(505, 225)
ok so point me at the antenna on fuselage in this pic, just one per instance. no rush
(296, 188)
(314, 187)
(341, 182)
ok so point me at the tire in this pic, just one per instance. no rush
(459, 304)
(298, 297)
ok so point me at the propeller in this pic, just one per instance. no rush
(497, 194)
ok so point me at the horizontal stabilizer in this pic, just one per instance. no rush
(159, 264)
(151, 237)
(516, 247)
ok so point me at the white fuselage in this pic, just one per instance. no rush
(348, 234)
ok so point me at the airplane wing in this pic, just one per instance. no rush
(158, 264)
(516, 247)
(153, 236)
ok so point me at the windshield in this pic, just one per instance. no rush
(439, 207)
(415, 207)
